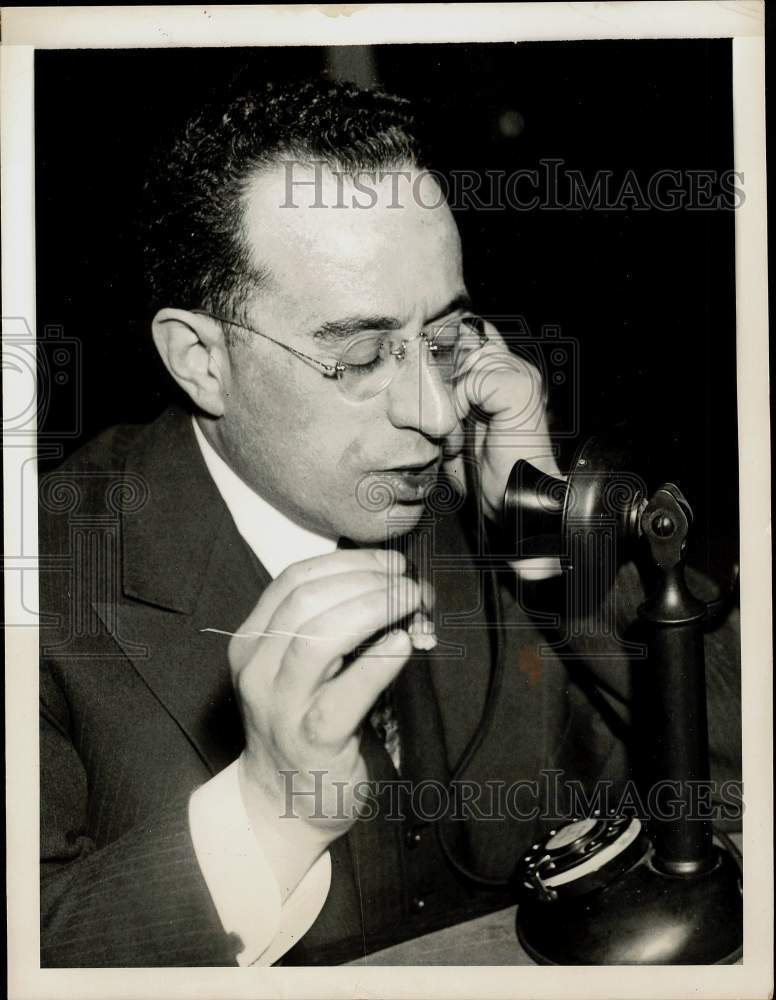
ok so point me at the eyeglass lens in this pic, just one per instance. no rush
(370, 362)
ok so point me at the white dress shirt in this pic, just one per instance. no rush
(239, 877)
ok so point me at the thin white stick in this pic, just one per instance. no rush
(259, 635)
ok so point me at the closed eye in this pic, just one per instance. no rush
(364, 367)
(364, 354)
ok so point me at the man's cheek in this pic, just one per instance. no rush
(353, 456)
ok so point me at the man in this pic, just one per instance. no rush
(219, 683)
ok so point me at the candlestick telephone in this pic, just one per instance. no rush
(607, 889)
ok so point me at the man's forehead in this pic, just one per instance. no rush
(331, 257)
(306, 206)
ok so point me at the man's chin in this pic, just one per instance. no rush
(379, 527)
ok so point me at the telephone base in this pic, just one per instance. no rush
(644, 917)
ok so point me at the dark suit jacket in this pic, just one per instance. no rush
(138, 556)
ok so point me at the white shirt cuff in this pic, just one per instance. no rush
(240, 880)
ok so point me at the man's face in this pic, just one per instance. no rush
(287, 430)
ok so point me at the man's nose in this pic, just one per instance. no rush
(419, 398)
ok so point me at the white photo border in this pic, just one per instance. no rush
(25, 30)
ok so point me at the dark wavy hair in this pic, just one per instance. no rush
(193, 241)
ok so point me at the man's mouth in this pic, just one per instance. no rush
(409, 483)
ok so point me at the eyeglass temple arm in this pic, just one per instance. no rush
(329, 370)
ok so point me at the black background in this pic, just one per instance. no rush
(649, 296)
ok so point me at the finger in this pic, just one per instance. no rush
(307, 661)
(305, 603)
(332, 565)
(311, 600)
(493, 334)
(342, 703)
(497, 384)
(497, 387)
(496, 358)
(495, 342)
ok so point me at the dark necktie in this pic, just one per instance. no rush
(386, 724)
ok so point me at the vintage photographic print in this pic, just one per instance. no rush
(387, 496)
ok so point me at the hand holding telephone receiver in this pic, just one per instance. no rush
(603, 890)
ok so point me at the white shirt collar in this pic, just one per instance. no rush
(276, 541)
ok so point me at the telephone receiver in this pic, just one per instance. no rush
(605, 889)
(590, 520)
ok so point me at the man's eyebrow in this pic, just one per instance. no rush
(341, 329)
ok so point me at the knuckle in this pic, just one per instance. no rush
(300, 605)
(294, 576)
(298, 652)
(246, 685)
(314, 726)
(533, 372)
(535, 376)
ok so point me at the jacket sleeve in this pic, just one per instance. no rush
(139, 901)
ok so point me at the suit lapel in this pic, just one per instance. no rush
(188, 580)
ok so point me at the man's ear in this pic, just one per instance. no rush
(193, 350)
